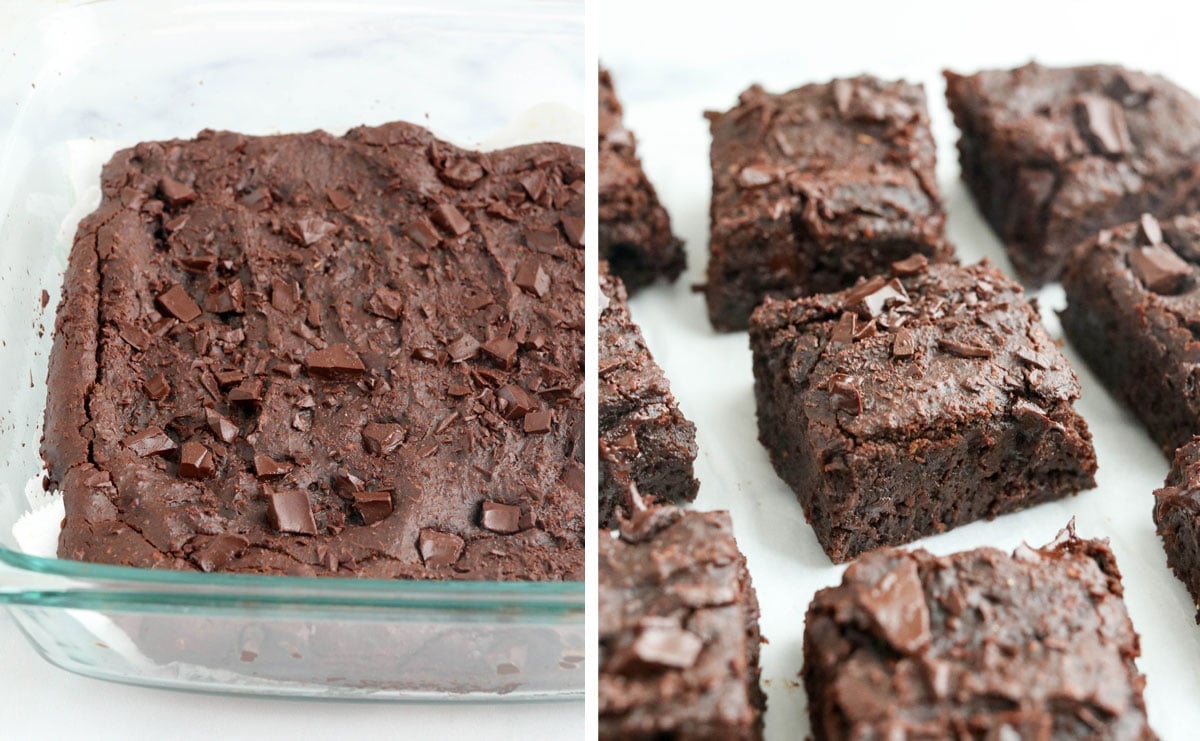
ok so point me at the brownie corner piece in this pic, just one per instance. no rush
(315, 355)
(1052, 155)
(635, 229)
(678, 630)
(1177, 518)
(916, 402)
(816, 187)
(977, 644)
(644, 438)
(1132, 314)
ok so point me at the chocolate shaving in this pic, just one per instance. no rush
(150, 441)
(335, 361)
(964, 349)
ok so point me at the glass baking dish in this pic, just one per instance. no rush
(85, 79)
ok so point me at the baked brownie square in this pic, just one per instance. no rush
(1132, 313)
(1054, 155)
(635, 230)
(979, 644)
(816, 187)
(1177, 517)
(679, 639)
(644, 438)
(315, 355)
(914, 403)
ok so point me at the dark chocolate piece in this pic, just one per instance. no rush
(1132, 313)
(679, 637)
(635, 229)
(976, 645)
(644, 438)
(500, 518)
(925, 425)
(817, 187)
(311, 390)
(1053, 155)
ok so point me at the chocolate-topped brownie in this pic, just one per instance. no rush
(916, 402)
(635, 229)
(644, 438)
(1052, 155)
(1133, 307)
(1177, 517)
(978, 644)
(679, 638)
(309, 354)
(816, 187)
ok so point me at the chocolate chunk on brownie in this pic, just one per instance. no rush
(916, 402)
(817, 187)
(1177, 517)
(644, 438)
(1052, 155)
(679, 638)
(977, 644)
(317, 355)
(635, 229)
(1133, 312)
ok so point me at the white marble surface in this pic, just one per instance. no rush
(669, 67)
(125, 71)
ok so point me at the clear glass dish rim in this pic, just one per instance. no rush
(56, 582)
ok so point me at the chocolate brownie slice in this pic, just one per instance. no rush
(1177, 517)
(1052, 155)
(635, 230)
(916, 402)
(817, 187)
(1132, 313)
(308, 354)
(679, 638)
(644, 438)
(976, 645)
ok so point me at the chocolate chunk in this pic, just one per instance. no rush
(464, 348)
(904, 344)
(196, 461)
(150, 441)
(1102, 122)
(438, 548)
(423, 233)
(176, 302)
(345, 484)
(290, 512)
(501, 349)
(247, 392)
(338, 199)
(844, 330)
(386, 303)
(534, 183)
(911, 265)
(844, 394)
(451, 219)
(336, 361)
(313, 229)
(462, 173)
(381, 438)
(1030, 357)
(267, 467)
(537, 423)
(220, 425)
(572, 227)
(156, 387)
(198, 264)
(531, 278)
(1149, 230)
(285, 295)
(1159, 268)
(372, 506)
(515, 401)
(176, 193)
(897, 608)
(881, 294)
(964, 349)
(500, 518)
(226, 299)
(668, 647)
(227, 377)
(215, 552)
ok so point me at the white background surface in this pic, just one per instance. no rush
(669, 67)
(38, 700)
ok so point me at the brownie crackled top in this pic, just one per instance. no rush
(311, 354)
